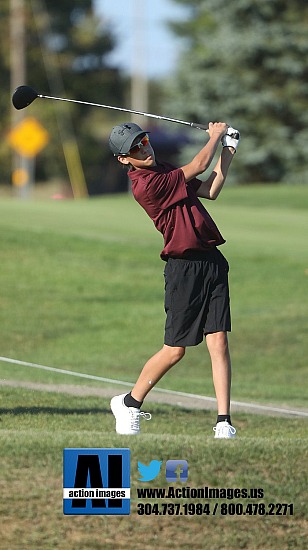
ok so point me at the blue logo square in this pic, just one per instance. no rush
(176, 470)
(96, 481)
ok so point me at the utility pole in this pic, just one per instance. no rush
(17, 46)
(139, 80)
(18, 76)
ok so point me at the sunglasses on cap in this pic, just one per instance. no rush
(142, 143)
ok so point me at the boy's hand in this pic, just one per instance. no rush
(217, 128)
(231, 138)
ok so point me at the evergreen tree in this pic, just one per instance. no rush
(246, 64)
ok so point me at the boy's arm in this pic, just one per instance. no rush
(204, 158)
(211, 188)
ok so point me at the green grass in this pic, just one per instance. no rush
(35, 427)
(82, 289)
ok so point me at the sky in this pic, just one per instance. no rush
(143, 39)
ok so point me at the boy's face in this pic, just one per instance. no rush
(141, 154)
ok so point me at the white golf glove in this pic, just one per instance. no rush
(231, 138)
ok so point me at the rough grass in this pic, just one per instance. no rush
(35, 427)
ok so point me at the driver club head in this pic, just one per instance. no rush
(23, 96)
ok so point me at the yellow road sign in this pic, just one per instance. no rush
(28, 138)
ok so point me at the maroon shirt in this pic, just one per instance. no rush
(175, 209)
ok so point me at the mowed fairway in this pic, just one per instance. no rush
(82, 289)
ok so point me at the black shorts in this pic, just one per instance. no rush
(196, 298)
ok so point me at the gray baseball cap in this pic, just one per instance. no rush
(123, 136)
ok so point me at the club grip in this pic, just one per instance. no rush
(199, 126)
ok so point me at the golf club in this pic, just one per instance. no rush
(25, 95)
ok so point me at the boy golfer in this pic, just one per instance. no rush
(196, 273)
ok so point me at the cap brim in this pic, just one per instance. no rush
(127, 145)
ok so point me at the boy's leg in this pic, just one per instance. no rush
(126, 407)
(155, 368)
(217, 343)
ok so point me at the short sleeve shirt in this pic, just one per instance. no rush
(173, 206)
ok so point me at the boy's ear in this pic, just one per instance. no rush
(123, 159)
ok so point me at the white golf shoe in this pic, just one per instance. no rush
(127, 418)
(224, 430)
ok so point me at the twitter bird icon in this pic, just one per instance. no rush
(149, 472)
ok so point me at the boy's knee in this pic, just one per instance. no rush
(179, 353)
(218, 341)
(175, 353)
(222, 339)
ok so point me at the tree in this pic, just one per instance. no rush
(66, 52)
(246, 63)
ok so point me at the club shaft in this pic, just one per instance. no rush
(191, 124)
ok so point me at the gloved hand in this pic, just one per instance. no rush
(231, 138)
